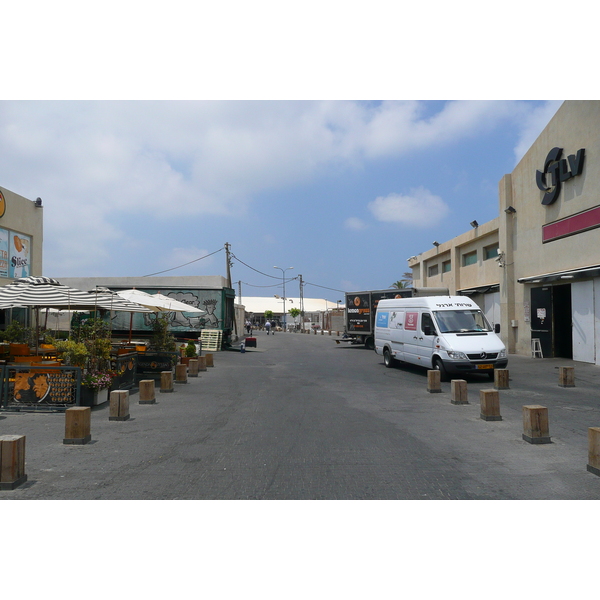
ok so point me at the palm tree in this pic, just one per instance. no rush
(403, 283)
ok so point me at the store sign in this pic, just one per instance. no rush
(560, 170)
(2, 204)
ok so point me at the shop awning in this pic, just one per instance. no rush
(482, 289)
(570, 274)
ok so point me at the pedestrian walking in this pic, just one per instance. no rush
(268, 327)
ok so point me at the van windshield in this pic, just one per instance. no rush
(461, 321)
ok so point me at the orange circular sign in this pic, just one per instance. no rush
(2, 204)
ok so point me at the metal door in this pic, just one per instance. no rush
(582, 297)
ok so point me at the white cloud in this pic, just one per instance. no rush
(420, 208)
(354, 224)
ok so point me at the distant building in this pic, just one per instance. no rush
(535, 268)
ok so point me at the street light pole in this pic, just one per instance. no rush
(283, 282)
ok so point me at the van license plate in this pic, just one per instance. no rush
(485, 366)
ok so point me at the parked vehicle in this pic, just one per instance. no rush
(448, 333)
(361, 308)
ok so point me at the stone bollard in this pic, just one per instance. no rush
(166, 382)
(535, 424)
(12, 461)
(202, 363)
(330, 333)
(594, 450)
(147, 395)
(180, 373)
(459, 391)
(209, 360)
(193, 367)
(501, 379)
(566, 377)
(119, 405)
(78, 425)
(434, 381)
(490, 405)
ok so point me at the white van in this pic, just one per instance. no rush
(448, 333)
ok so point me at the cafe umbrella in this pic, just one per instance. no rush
(156, 303)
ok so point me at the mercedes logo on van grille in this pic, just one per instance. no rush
(483, 355)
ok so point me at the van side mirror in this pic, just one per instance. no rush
(497, 328)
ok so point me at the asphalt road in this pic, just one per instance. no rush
(303, 418)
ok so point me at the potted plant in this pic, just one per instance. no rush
(161, 355)
(190, 352)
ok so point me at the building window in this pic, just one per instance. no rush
(470, 258)
(433, 270)
(490, 252)
(446, 266)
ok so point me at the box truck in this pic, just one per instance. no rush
(361, 307)
(448, 333)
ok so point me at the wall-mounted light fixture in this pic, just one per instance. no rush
(474, 224)
(38, 203)
(436, 244)
(511, 210)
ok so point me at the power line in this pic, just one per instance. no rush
(325, 288)
(184, 265)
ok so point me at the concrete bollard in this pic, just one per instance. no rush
(535, 424)
(193, 367)
(12, 461)
(594, 450)
(202, 363)
(501, 379)
(119, 405)
(490, 405)
(330, 333)
(180, 373)
(78, 421)
(209, 360)
(459, 391)
(166, 382)
(434, 380)
(566, 377)
(147, 395)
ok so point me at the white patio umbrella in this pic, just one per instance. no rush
(156, 303)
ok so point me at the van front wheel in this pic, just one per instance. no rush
(388, 359)
(438, 365)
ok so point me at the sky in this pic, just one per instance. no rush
(342, 191)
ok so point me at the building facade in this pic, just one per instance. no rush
(535, 268)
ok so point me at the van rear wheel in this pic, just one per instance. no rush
(438, 365)
(388, 359)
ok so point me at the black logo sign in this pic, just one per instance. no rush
(560, 170)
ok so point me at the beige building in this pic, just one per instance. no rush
(535, 268)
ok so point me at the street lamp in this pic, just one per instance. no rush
(283, 282)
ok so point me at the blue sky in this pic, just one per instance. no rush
(343, 191)
(325, 144)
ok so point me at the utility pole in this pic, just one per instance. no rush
(227, 246)
(301, 304)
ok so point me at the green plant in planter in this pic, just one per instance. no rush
(162, 339)
(18, 333)
(75, 354)
(190, 350)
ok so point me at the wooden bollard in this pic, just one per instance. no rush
(209, 360)
(193, 367)
(566, 377)
(12, 461)
(459, 391)
(119, 405)
(166, 382)
(535, 424)
(490, 405)
(78, 421)
(501, 379)
(147, 395)
(594, 450)
(434, 380)
(202, 363)
(180, 373)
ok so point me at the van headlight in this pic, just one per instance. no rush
(457, 355)
(502, 354)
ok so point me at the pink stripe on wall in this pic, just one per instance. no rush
(571, 225)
